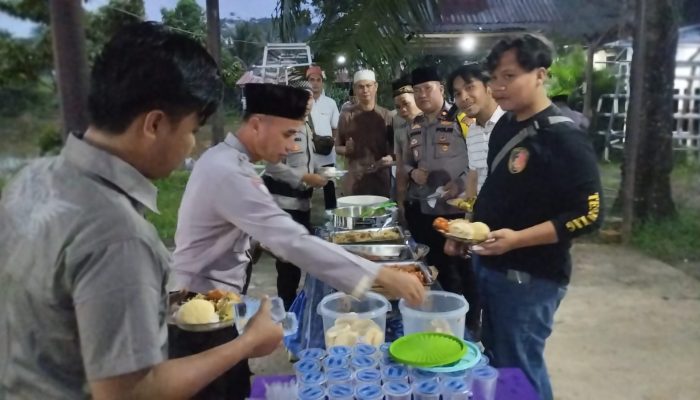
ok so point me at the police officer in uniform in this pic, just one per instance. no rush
(436, 157)
(226, 202)
(291, 183)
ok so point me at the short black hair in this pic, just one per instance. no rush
(468, 73)
(146, 66)
(531, 52)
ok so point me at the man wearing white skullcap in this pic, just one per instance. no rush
(365, 139)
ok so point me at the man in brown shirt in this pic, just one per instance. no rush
(365, 139)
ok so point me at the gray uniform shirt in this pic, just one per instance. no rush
(82, 275)
(224, 205)
(299, 162)
(439, 148)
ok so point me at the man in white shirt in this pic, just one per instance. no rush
(468, 86)
(324, 122)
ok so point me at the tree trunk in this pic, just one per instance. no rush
(214, 47)
(70, 62)
(649, 146)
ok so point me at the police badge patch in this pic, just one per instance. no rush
(518, 159)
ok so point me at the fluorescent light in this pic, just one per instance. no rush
(341, 60)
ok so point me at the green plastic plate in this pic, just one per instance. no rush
(427, 349)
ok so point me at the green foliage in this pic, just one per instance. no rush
(170, 191)
(108, 20)
(32, 10)
(231, 69)
(338, 93)
(187, 16)
(567, 77)
(50, 140)
(672, 239)
(290, 16)
(245, 41)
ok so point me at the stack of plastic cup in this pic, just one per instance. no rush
(305, 366)
(340, 351)
(364, 349)
(312, 353)
(369, 392)
(418, 375)
(455, 389)
(384, 352)
(311, 393)
(316, 378)
(368, 376)
(341, 391)
(361, 362)
(485, 382)
(395, 373)
(339, 376)
(333, 362)
(428, 389)
(397, 390)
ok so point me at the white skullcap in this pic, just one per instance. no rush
(364, 75)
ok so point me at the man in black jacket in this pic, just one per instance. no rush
(543, 189)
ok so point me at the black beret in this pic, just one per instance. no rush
(402, 85)
(424, 74)
(276, 100)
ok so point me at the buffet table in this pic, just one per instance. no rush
(512, 385)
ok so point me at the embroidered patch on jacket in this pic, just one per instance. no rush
(517, 162)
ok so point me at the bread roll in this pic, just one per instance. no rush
(480, 231)
(461, 228)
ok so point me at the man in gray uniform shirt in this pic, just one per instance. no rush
(82, 273)
(226, 203)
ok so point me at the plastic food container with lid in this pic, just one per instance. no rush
(396, 390)
(369, 392)
(348, 321)
(441, 312)
(341, 392)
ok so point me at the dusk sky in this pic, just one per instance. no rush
(242, 9)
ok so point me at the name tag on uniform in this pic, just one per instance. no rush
(446, 123)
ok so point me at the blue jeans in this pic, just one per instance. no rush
(517, 319)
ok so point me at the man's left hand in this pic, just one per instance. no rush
(499, 242)
(386, 161)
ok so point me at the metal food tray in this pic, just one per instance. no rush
(401, 239)
(380, 252)
(423, 267)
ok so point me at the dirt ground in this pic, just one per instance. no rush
(629, 328)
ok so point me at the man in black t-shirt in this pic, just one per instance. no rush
(543, 189)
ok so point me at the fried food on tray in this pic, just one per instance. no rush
(215, 306)
(412, 269)
(383, 235)
(463, 204)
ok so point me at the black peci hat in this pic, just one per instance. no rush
(424, 74)
(276, 100)
(402, 85)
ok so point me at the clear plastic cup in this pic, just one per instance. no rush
(418, 375)
(339, 376)
(332, 362)
(312, 379)
(341, 391)
(384, 348)
(312, 353)
(305, 366)
(340, 351)
(369, 392)
(384, 363)
(397, 390)
(428, 389)
(395, 373)
(361, 362)
(465, 375)
(455, 389)
(311, 393)
(368, 376)
(483, 361)
(485, 383)
(364, 349)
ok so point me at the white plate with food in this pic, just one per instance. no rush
(205, 312)
(332, 172)
(462, 230)
(349, 201)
